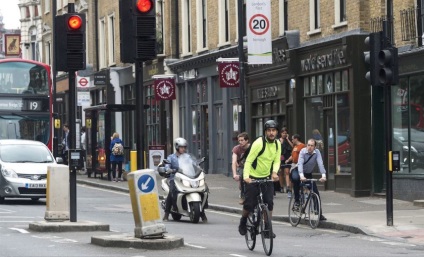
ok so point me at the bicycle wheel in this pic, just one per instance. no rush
(265, 228)
(314, 210)
(251, 232)
(294, 214)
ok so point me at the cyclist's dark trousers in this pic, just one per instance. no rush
(295, 178)
(171, 199)
(252, 192)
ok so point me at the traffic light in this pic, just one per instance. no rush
(374, 44)
(69, 39)
(388, 73)
(145, 29)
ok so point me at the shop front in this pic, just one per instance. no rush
(332, 105)
(207, 113)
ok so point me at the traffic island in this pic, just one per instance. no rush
(126, 241)
(67, 226)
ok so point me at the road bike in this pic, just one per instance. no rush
(309, 201)
(259, 221)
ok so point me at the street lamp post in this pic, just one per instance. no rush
(241, 25)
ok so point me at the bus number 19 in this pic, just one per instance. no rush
(33, 106)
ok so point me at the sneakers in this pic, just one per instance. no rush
(266, 234)
(166, 216)
(204, 218)
(322, 217)
(289, 194)
(296, 206)
(242, 227)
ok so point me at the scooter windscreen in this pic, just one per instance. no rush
(188, 165)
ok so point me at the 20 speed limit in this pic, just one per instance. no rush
(259, 24)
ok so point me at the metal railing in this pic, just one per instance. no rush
(408, 24)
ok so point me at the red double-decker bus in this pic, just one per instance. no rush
(26, 101)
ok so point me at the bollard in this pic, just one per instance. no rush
(145, 203)
(133, 160)
(57, 193)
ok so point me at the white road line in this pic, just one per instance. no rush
(237, 255)
(105, 190)
(21, 230)
(16, 221)
(397, 244)
(195, 246)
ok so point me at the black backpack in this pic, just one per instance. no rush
(246, 153)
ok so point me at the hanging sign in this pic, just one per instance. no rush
(229, 74)
(258, 27)
(164, 88)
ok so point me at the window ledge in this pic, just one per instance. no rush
(314, 32)
(202, 50)
(339, 25)
(224, 44)
(189, 54)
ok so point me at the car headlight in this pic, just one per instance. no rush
(8, 173)
(186, 183)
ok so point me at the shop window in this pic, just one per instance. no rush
(267, 109)
(343, 134)
(337, 82)
(306, 86)
(408, 123)
(320, 87)
(313, 86)
(313, 116)
(345, 80)
(329, 83)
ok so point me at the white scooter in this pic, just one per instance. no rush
(190, 184)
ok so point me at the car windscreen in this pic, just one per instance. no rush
(20, 153)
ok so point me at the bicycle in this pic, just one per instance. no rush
(308, 199)
(259, 222)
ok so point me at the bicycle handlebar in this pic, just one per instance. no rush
(257, 181)
(311, 179)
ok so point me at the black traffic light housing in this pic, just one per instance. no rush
(137, 30)
(69, 39)
(388, 73)
(374, 44)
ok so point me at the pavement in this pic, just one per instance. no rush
(365, 215)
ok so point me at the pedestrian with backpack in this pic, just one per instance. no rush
(116, 156)
(237, 163)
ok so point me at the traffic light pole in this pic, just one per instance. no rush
(139, 113)
(387, 32)
(72, 135)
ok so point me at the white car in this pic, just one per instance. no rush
(23, 169)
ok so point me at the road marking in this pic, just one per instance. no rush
(237, 255)
(397, 244)
(6, 211)
(21, 230)
(105, 190)
(16, 221)
(195, 246)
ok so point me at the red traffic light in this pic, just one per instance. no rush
(74, 22)
(144, 6)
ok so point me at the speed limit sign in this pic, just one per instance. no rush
(259, 24)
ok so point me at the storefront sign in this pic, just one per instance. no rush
(100, 78)
(258, 24)
(12, 44)
(188, 74)
(229, 75)
(164, 88)
(156, 155)
(322, 61)
(267, 92)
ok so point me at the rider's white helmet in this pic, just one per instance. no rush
(179, 141)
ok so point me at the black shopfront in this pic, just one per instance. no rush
(332, 102)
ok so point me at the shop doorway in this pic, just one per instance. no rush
(200, 117)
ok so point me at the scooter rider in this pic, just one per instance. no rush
(180, 145)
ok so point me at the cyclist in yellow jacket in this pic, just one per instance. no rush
(261, 163)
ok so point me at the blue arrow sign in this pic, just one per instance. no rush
(146, 183)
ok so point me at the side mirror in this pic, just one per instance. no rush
(59, 160)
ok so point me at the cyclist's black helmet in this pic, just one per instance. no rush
(270, 124)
